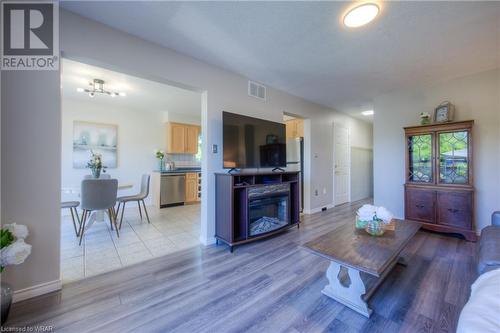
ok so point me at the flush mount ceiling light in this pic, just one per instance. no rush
(361, 15)
(97, 87)
(367, 113)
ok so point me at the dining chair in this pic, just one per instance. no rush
(98, 194)
(71, 205)
(138, 197)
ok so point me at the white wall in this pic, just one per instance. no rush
(139, 133)
(361, 173)
(31, 173)
(177, 117)
(475, 97)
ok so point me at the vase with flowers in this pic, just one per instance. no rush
(160, 155)
(373, 219)
(14, 251)
(95, 164)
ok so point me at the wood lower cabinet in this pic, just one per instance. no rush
(455, 209)
(191, 187)
(439, 189)
(420, 205)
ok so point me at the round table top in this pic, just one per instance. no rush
(76, 190)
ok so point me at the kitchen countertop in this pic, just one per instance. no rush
(179, 170)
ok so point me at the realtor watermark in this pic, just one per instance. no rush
(30, 35)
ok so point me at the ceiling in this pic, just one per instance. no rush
(142, 95)
(302, 47)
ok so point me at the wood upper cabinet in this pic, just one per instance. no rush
(192, 133)
(294, 128)
(182, 138)
(439, 185)
(191, 187)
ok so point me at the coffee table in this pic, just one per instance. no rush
(359, 262)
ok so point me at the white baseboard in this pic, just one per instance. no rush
(207, 241)
(318, 209)
(41, 289)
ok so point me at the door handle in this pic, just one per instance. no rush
(420, 206)
(453, 210)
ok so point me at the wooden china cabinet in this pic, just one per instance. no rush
(439, 189)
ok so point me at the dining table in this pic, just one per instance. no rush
(97, 216)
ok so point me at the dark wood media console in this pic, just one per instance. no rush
(252, 206)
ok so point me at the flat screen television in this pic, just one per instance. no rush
(252, 143)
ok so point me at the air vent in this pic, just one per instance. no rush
(256, 90)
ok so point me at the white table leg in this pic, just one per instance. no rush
(346, 287)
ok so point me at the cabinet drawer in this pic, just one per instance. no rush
(455, 209)
(420, 205)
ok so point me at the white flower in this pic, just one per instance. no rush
(384, 214)
(15, 254)
(18, 230)
(366, 212)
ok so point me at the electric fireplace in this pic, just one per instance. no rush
(268, 209)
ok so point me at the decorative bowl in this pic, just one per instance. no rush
(375, 227)
(360, 224)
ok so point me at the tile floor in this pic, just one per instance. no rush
(171, 229)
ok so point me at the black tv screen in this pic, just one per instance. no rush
(252, 143)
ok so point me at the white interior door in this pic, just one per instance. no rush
(342, 164)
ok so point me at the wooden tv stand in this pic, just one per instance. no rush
(241, 196)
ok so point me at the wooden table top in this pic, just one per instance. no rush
(357, 249)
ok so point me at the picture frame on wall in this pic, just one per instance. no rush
(444, 112)
(98, 138)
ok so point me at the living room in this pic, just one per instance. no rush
(409, 60)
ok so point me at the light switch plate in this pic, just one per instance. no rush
(214, 149)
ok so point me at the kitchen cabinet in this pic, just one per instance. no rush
(191, 187)
(294, 128)
(182, 138)
(192, 133)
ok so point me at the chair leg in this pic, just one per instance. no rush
(145, 210)
(82, 229)
(112, 220)
(73, 218)
(139, 205)
(121, 218)
(77, 218)
(118, 209)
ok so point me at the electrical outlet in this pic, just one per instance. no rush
(316, 192)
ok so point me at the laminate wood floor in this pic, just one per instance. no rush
(269, 286)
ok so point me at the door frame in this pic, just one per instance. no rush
(334, 203)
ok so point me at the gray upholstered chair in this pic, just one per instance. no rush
(98, 194)
(138, 197)
(489, 246)
(71, 205)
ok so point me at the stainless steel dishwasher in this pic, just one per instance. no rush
(172, 189)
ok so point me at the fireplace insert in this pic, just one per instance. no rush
(268, 213)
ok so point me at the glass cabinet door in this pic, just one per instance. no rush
(420, 158)
(453, 157)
